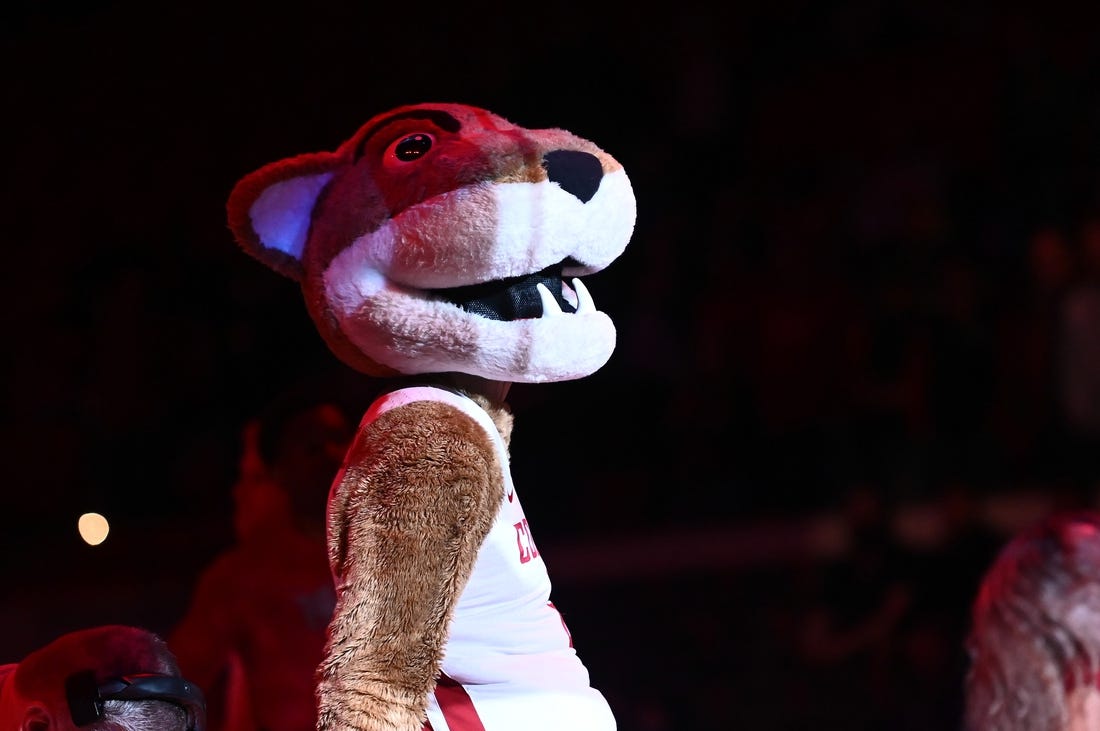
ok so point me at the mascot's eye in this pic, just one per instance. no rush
(412, 147)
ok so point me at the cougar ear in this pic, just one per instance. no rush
(270, 210)
(37, 718)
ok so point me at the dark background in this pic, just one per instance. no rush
(857, 224)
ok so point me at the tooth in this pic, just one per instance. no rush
(585, 303)
(550, 306)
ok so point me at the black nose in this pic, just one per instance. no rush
(576, 172)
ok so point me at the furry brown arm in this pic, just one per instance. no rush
(421, 489)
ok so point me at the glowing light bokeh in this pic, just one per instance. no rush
(93, 528)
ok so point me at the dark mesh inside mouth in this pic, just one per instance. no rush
(514, 298)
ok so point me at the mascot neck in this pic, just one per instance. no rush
(492, 392)
(495, 391)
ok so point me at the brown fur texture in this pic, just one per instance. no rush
(405, 523)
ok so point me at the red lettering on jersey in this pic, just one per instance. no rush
(525, 542)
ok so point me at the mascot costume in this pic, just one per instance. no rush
(442, 247)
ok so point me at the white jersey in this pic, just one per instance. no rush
(508, 661)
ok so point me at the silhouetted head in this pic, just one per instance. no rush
(107, 678)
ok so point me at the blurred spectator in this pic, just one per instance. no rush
(254, 632)
(847, 638)
(1025, 414)
(106, 678)
(1034, 642)
(960, 370)
(1079, 359)
(949, 545)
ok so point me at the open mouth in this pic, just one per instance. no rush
(516, 298)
